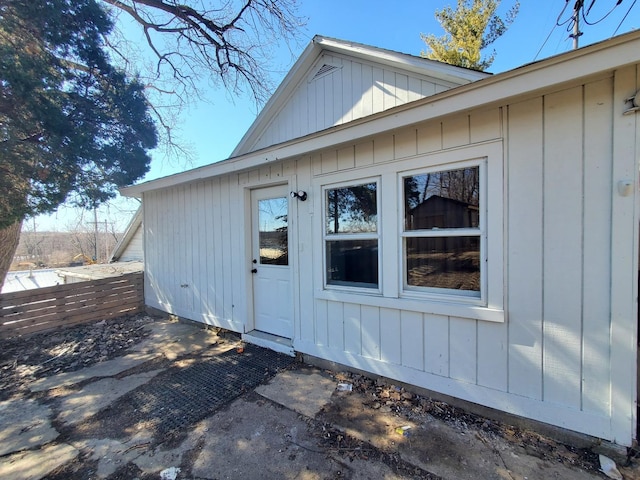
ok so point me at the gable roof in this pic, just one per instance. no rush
(326, 55)
(605, 56)
(130, 232)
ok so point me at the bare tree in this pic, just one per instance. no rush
(196, 45)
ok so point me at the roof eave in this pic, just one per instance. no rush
(530, 78)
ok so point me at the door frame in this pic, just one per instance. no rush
(289, 184)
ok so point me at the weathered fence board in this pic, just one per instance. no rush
(48, 308)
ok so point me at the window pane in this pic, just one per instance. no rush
(444, 262)
(272, 217)
(352, 209)
(353, 263)
(447, 199)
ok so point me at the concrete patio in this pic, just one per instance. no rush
(292, 423)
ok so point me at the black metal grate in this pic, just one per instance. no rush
(180, 397)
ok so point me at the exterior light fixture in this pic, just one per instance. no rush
(300, 195)
(634, 102)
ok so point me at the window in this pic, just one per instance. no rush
(442, 237)
(351, 235)
(424, 234)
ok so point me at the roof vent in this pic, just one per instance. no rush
(325, 69)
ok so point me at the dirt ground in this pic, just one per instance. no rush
(24, 360)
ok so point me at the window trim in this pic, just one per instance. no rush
(390, 294)
(435, 293)
(377, 235)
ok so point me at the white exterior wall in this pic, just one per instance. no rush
(564, 350)
(354, 89)
(134, 251)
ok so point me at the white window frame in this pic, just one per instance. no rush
(327, 237)
(435, 293)
(491, 306)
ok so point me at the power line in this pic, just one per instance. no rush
(624, 18)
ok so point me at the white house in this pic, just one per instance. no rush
(130, 247)
(474, 235)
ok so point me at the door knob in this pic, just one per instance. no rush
(254, 270)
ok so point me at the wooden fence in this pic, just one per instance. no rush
(48, 308)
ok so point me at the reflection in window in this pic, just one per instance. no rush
(442, 236)
(353, 263)
(352, 209)
(447, 199)
(444, 262)
(273, 231)
(351, 235)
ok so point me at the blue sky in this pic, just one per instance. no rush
(213, 129)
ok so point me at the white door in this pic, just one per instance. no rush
(272, 302)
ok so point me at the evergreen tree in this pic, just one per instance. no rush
(72, 127)
(470, 28)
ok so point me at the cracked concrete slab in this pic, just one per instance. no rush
(79, 406)
(176, 339)
(99, 370)
(304, 391)
(259, 439)
(449, 451)
(24, 425)
(35, 464)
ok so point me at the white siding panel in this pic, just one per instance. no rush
(370, 321)
(462, 349)
(406, 143)
(596, 391)
(322, 323)
(414, 89)
(216, 255)
(378, 90)
(402, 89)
(304, 247)
(624, 242)
(455, 131)
(430, 137)
(227, 249)
(383, 148)
(358, 90)
(436, 344)
(485, 125)
(364, 154)
(352, 328)
(346, 107)
(346, 158)
(492, 355)
(134, 251)
(389, 99)
(524, 267)
(562, 252)
(335, 323)
(412, 340)
(390, 343)
(367, 91)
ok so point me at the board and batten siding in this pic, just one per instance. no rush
(350, 89)
(552, 359)
(134, 251)
(565, 352)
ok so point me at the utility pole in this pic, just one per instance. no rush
(95, 234)
(576, 22)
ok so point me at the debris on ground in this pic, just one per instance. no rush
(609, 468)
(24, 359)
(386, 397)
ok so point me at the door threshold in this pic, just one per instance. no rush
(270, 341)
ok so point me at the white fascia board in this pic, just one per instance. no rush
(587, 61)
(419, 65)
